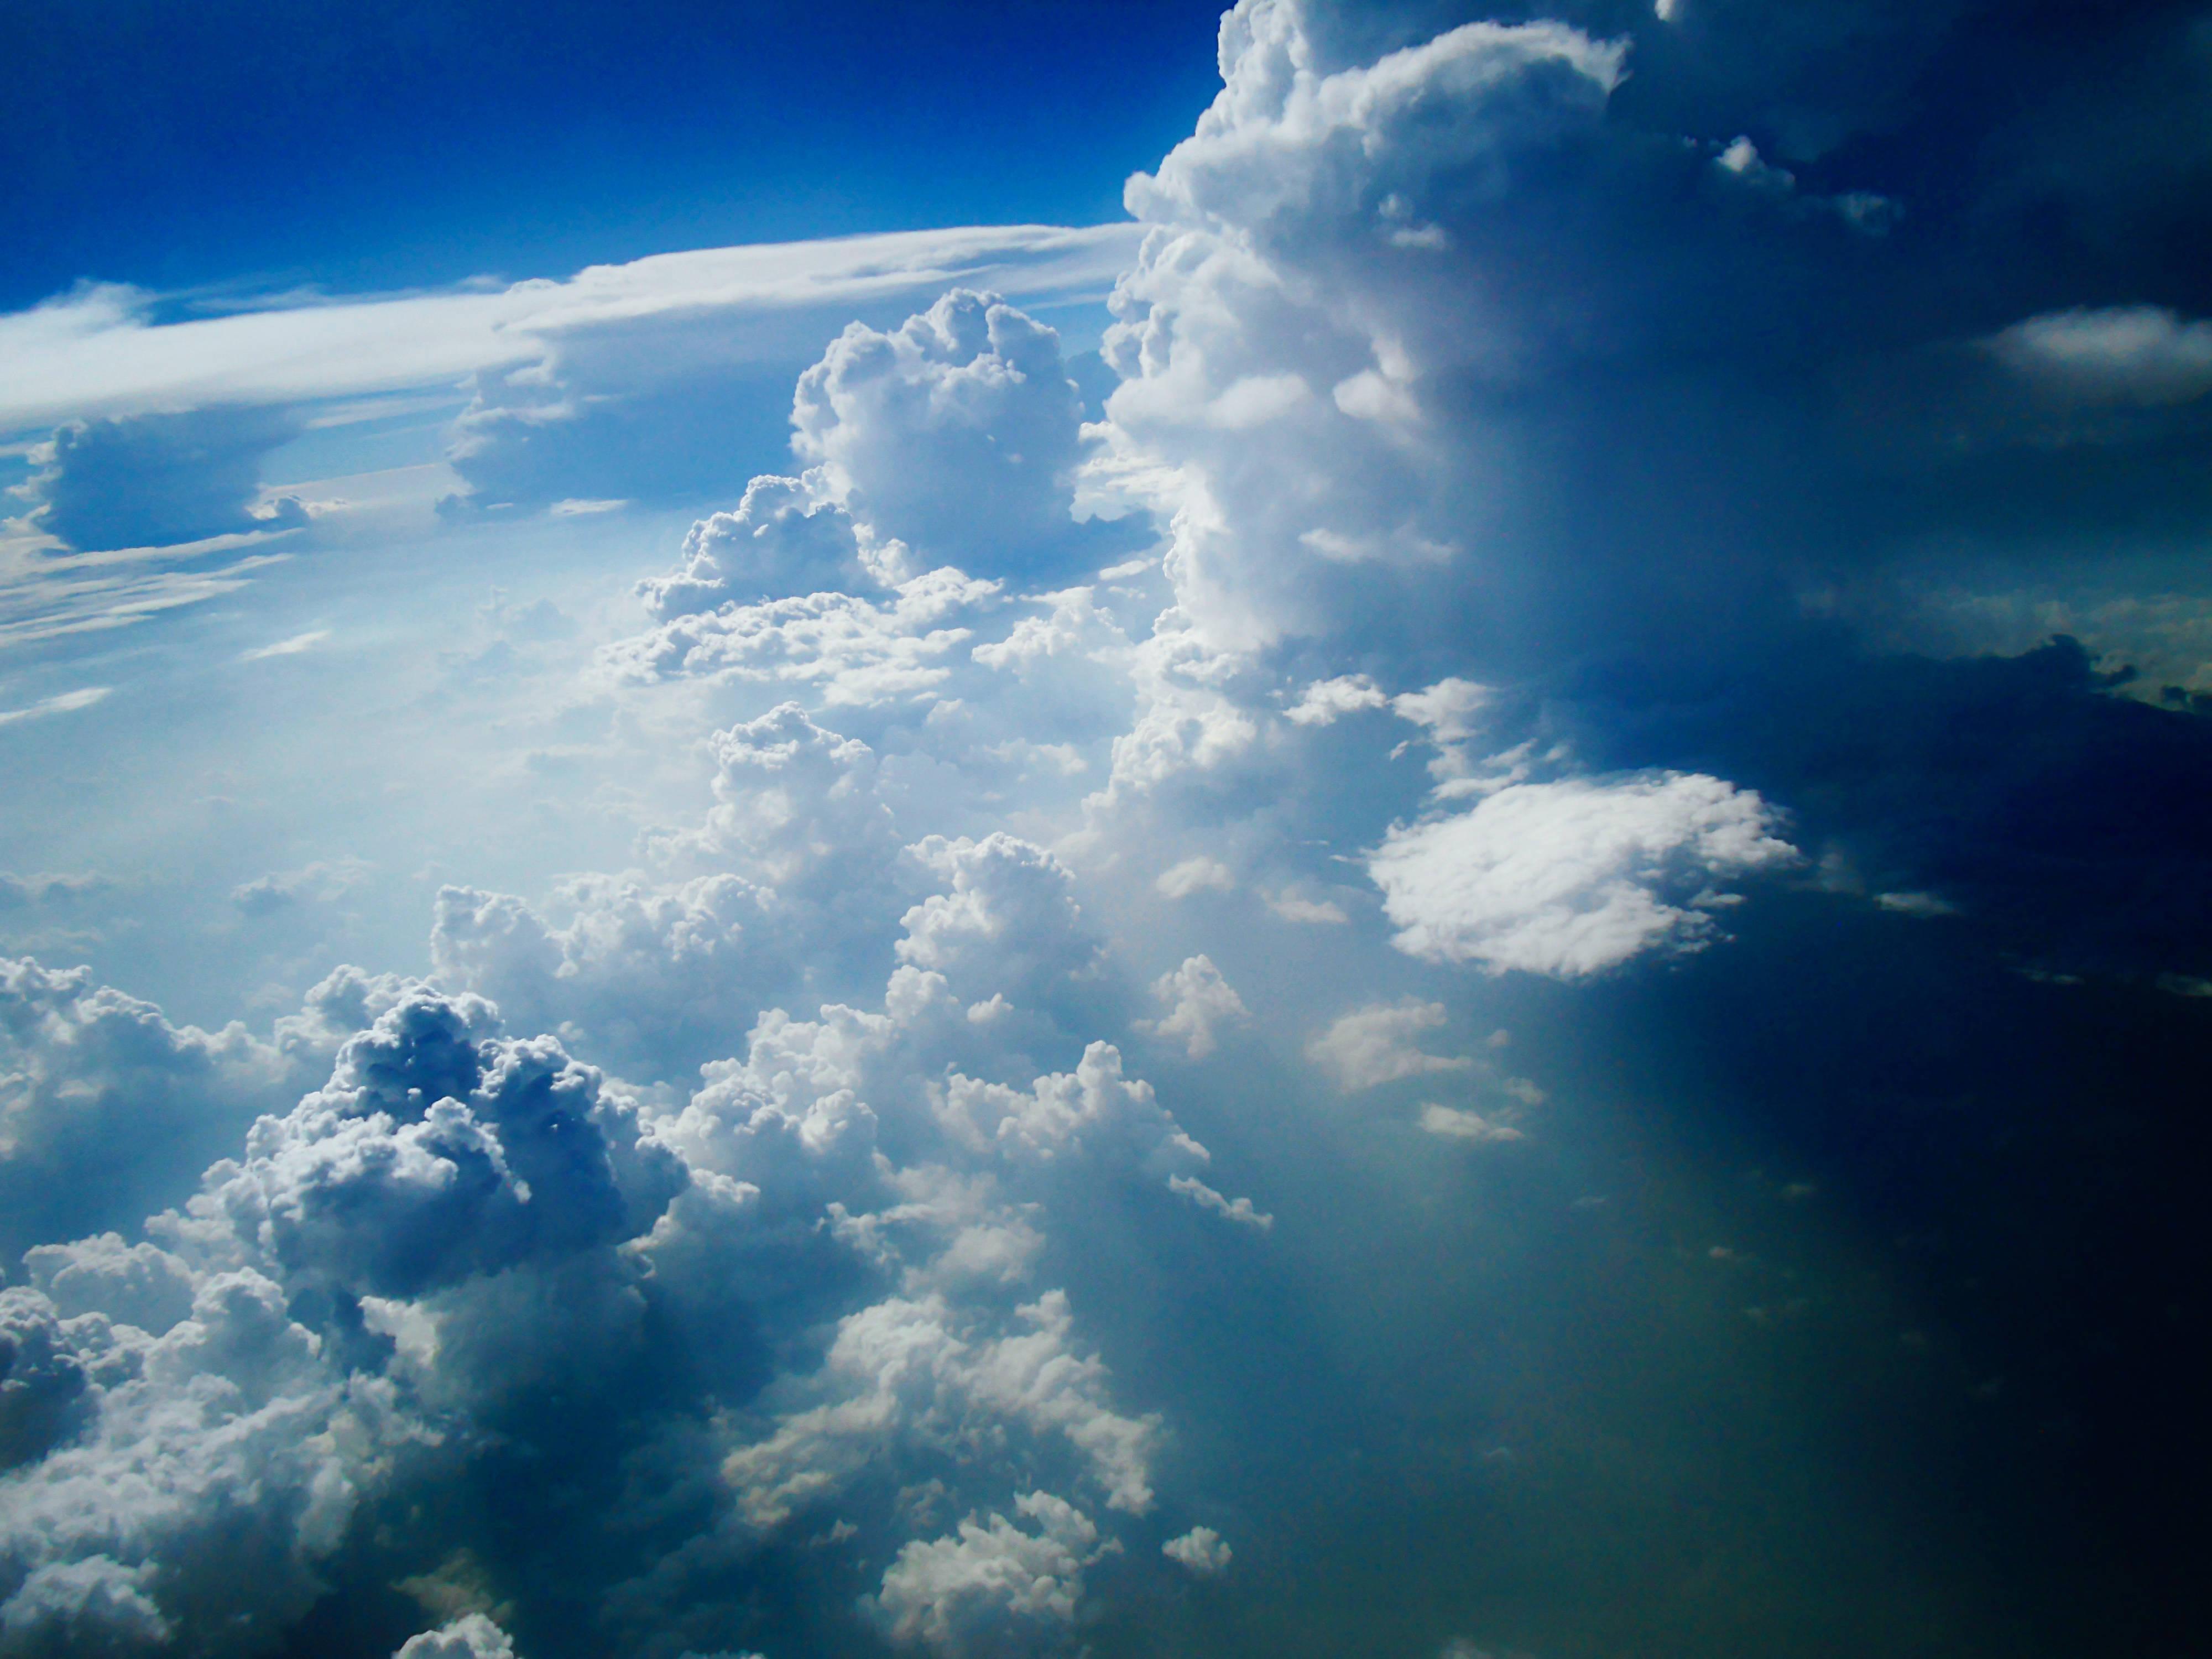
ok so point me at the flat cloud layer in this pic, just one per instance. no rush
(947, 1051)
(97, 352)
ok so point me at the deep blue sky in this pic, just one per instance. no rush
(376, 143)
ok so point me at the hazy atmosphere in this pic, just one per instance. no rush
(1376, 828)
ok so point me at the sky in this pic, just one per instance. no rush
(998, 831)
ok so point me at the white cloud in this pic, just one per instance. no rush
(1452, 712)
(799, 801)
(49, 595)
(1381, 1044)
(287, 647)
(805, 1296)
(1302, 244)
(1187, 722)
(1201, 1550)
(2141, 355)
(325, 880)
(1240, 1211)
(655, 977)
(991, 1588)
(106, 1109)
(472, 1635)
(1573, 877)
(224, 1460)
(431, 1155)
(785, 537)
(155, 480)
(956, 433)
(939, 1375)
(1456, 1123)
(853, 652)
(140, 1285)
(1200, 1001)
(1195, 875)
(1325, 701)
(62, 703)
(1009, 923)
(1306, 912)
(1065, 1114)
(89, 1604)
(96, 352)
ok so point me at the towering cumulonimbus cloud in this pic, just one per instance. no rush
(883, 1208)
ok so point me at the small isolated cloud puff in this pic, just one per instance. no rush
(1324, 701)
(1202, 1550)
(2141, 355)
(1199, 1000)
(1381, 1044)
(1572, 878)
(1289, 907)
(1454, 1123)
(991, 1588)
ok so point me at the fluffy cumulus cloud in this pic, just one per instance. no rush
(902, 1373)
(472, 1636)
(1201, 1550)
(1007, 923)
(106, 1109)
(885, 1199)
(1381, 1044)
(459, 1224)
(655, 975)
(955, 434)
(991, 1587)
(1573, 877)
(783, 539)
(215, 1463)
(1202, 1003)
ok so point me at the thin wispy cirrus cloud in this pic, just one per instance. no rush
(102, 350)
(807, 947)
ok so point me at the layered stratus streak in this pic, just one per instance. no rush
(738, 1200)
